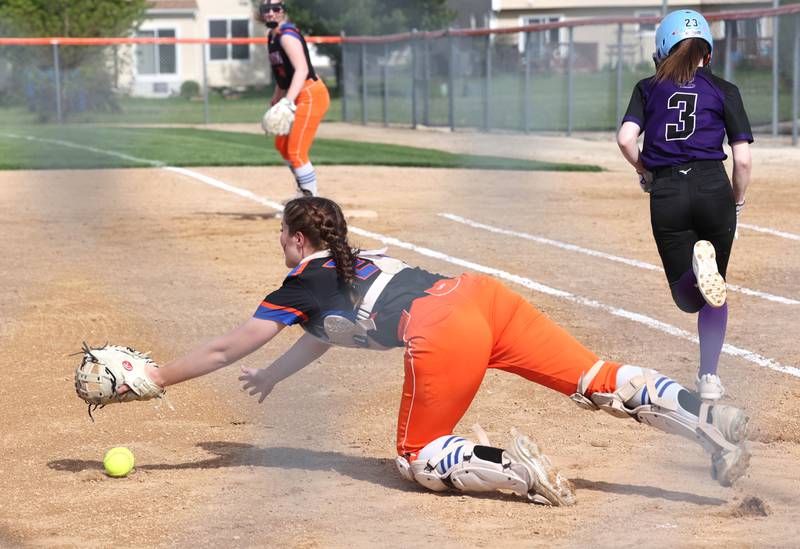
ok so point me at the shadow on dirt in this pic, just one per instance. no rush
(369, 469)
(233, 454)
(652, 492)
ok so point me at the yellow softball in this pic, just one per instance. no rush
(118, 462)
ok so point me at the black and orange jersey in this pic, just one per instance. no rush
(282, 68)
(312, 291)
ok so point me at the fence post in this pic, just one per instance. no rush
(775, 83)
(620, 59)
(526, 86)
(426, 76)
(451, 81)
(795, 77)
(343, 84)
(364, 91)
(57, 82)
(385, 84)
(570, 90)
(414, 64)
(728, 52)
(487, 82)
(205, 83)
(116, 68)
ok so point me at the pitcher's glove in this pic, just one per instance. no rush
(103, 370)
(279, 118)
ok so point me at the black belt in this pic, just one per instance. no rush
(685, 169)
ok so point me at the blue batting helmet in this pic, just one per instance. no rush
(677, 26)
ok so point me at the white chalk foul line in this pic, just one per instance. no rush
(603, 255)
(154, 163)
(225, 187)
(773, 232)
(744, 354)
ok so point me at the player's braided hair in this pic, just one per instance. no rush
(322, 222)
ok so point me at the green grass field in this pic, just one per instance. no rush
(595, 107)
(53, 147)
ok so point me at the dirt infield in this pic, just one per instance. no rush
(160, 261)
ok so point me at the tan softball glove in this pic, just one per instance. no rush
(279, 118)
(103, 370)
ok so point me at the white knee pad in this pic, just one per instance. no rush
(454, 462)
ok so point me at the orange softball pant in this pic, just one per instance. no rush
(469, 324)
(312, 104)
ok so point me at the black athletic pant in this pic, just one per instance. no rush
(690, 203)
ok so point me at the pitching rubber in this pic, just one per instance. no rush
(547, 481)
(709, 281)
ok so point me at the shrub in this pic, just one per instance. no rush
(190, 89)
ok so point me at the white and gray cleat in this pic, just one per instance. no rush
(545, 481)
(728, 466)
(710, 283)
(731, 463)
(709, 387)
(731, 422)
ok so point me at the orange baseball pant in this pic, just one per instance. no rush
(312, 104)
(466, 325)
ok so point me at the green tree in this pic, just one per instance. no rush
(365, 17)
(368, 17)
(73, 18)
(85, 75)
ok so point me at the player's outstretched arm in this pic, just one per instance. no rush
(261, 381)
(217, 353)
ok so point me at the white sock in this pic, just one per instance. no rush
(667, 388)
(306, 178)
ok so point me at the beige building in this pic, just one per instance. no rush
(596, 46)
(159, 70)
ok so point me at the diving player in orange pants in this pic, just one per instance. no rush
(297, 84)
(504, 332)
(453, 330)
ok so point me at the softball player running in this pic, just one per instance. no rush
(685, 113)
(452, 330)
(299, 89)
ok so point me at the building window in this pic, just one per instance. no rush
(229, 28)
(647, 28)
(156, 58)
(542, 41)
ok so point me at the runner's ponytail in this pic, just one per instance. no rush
(682, 62)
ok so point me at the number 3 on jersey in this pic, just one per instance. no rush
(686, 103)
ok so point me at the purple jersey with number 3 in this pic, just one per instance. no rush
(689, 122)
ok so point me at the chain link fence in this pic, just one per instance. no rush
(560, 77)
